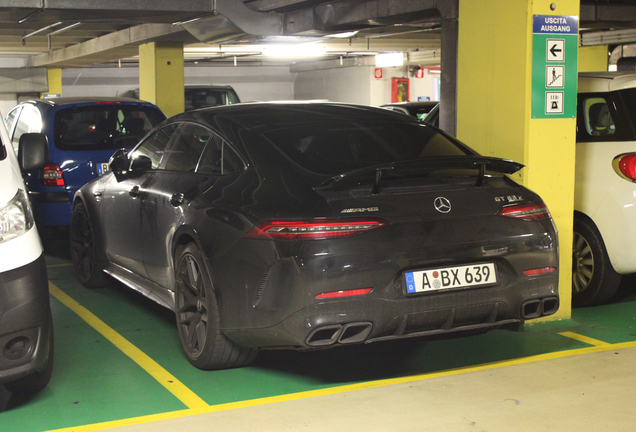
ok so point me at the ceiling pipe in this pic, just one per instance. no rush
(43, 29)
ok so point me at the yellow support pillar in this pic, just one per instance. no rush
(593, 58)
(494, 114)
(54, 77)
(161, 76)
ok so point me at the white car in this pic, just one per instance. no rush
(26, 328)
(605, 186)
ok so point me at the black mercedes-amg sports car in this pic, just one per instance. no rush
(313, 225)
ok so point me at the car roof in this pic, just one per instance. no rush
(418, 104)
(81, 100)
(605, 81)
(207, 86)
(265, 114)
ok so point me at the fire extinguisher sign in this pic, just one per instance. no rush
(555, 42)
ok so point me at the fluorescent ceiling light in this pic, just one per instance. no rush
(343, 35)
(389, 59)
(302, 50)
(224, 49)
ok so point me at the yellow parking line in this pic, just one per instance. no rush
(585, 339)
(342, 389)
(174, 386)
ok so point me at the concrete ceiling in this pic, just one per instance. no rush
(75, 33)
(72, 33)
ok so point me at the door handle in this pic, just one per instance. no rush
(134, 192)
(177, 199)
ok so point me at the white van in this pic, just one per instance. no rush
(26, 328)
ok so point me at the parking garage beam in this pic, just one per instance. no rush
(495, 108)
(161, 76)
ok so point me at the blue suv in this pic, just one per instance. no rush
(82, 135)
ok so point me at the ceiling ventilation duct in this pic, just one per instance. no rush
(617, 58)
(235, 21)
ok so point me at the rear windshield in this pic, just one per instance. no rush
(103, 126)
(202, 97)
(335, 147)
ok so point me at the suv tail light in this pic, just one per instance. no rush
(625, 166)
(527, 212)
(52, 175)
(312, 229)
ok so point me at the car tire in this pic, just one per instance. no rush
(197, 314)
(39, 379)
(594, 280)
(87, 253)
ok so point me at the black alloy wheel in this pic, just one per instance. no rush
(85, 250)
(198, 319)
(594, 280)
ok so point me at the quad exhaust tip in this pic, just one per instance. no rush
(340, 333)
(536, 308)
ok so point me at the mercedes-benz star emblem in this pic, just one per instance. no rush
(442, 205)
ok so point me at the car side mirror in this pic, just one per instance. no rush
(33, 151)
(119, 164)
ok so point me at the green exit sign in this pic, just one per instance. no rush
(555, 43)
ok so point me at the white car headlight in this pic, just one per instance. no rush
(16, 218)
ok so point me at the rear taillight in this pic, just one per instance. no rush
(625, 166)
(527, 212)
(539, 271)
(312, 229)
(52, 175)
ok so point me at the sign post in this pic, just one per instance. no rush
(554, 66)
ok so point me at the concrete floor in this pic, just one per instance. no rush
(588, 392)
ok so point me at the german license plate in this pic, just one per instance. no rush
(450, 277)
(102, 168)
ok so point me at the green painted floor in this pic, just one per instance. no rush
(93, 381)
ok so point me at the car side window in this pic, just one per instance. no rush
(598, 120)
(30, 120)
(219, 158)
(10, 118)
(156, 144)
(186, 149)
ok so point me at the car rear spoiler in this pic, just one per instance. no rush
(480, 163)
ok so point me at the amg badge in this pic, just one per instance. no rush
(360, 210)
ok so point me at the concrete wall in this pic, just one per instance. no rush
(251, 83)
(359, 85)
(347, 84)
(424, 87)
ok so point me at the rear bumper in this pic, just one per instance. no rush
(24, 320)
(279, 305)
(370, 319)
(52, 213)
